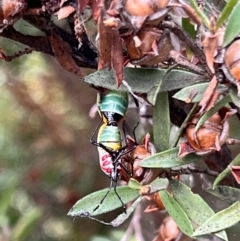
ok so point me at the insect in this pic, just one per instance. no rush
(112, 106)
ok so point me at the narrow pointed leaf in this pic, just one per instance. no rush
(85, 206)
(134, 184)
(200, 13)
(143, 80)
(221, 220)
(168, 159)
(225, 193)
(158, 184)
(225, 12)
(176, 212)
(224, 173)
(195, 207)
(124, 216)
(161, 122)
(212, 111)
(233, 25)
(197, 91)
(189, 27)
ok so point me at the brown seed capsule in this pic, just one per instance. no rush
(157, 203)
(10, 12)
(132, 159)
(144, 7)
(232, 59)
(209, 137)
(168, 230)
(231, 66)
(151, 46)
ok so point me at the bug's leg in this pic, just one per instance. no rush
(94, 133)
(110, 187)
(130, 173)
(115, 190)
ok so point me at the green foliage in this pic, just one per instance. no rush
(233, 25)
(197, 91)
(144, 80)
(182, 193)
(176, 212)
(220, 221)
(161, 122)
(86, 205)
(168, 159)
(225, 12)
(224, 173)
(225, 193)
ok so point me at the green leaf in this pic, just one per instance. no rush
(158, 184)
(85, 206)
(233, 93)
(25, 224)
(233, 25)
(195, 207)
(161, 122)
(225, 12)
(224, 173)
(134, 184)
(212, 111)
(189, 27)
(200, 13)
(225, 193)
(8, 182)
(168, 159)
(220, 221)
(176, 212)
(143, 80)
(124, 216)
(199, 89)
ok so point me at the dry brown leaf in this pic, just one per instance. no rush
(235, 170)
(208, 94)
(96, 6)
(82, 4)
(210, 44)
(63, 54)
(104, 44)
(115, 8)
(64, 12)
(117, 57)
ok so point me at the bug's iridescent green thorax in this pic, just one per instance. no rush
(114, 101)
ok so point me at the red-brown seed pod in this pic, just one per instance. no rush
(210, 136)
(157, 202)
(10, 12)
(231, 66)
(168, 230)
(151, 46)
(144, 7)
(132, 159)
